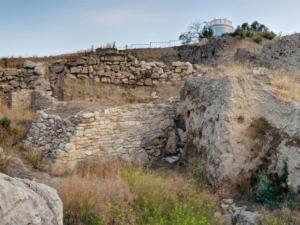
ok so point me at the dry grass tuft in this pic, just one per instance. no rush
(104, 168)
(283, 216)
(233, 69)
(15, 114)
(287, 84)
(236, 69)
(35, 157)
(17, 124)
(108, 192)
(3, 161)
(13, 129)
(154, 185)
(90, 196)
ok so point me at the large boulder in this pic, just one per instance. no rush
(29, 64)
(24, 202)
(238, 124)
(283, 53)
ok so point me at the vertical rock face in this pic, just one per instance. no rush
(283, 53)
(237, 124)
(24, 202)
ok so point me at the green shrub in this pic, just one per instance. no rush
(241, 33)
(258, 39)
(254, 30)
(268, 35)
(5, 122)
(272, 190)
(91, 219)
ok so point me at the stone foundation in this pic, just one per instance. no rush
(138, 133)
(84, 78)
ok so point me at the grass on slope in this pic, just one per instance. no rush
(287, 84)
(128, 195)
(14, 125)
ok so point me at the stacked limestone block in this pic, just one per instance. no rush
(138, 133)
(22, 87)
(116, 70)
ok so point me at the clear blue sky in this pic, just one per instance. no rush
(44, 27)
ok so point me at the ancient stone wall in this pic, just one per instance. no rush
(134, 132)
(19, 87)
(12, 80)
(72, 79)
(118, 69)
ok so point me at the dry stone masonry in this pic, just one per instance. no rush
(25, 87)
(116, 69)
(139, 133)
(107, 67)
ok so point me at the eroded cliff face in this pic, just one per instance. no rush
(238, 124)
(283, 53)
(25, 202)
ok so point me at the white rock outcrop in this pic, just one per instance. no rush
(238, 124)
(24, 202)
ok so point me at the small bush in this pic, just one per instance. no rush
(91, 219)
(272, 190)
(268, 35)
(258, 39)
(241, 33)
(5, 122)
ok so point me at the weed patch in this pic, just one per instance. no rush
(130, 195)
(272, 190)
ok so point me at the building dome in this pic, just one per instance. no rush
(221, 26)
